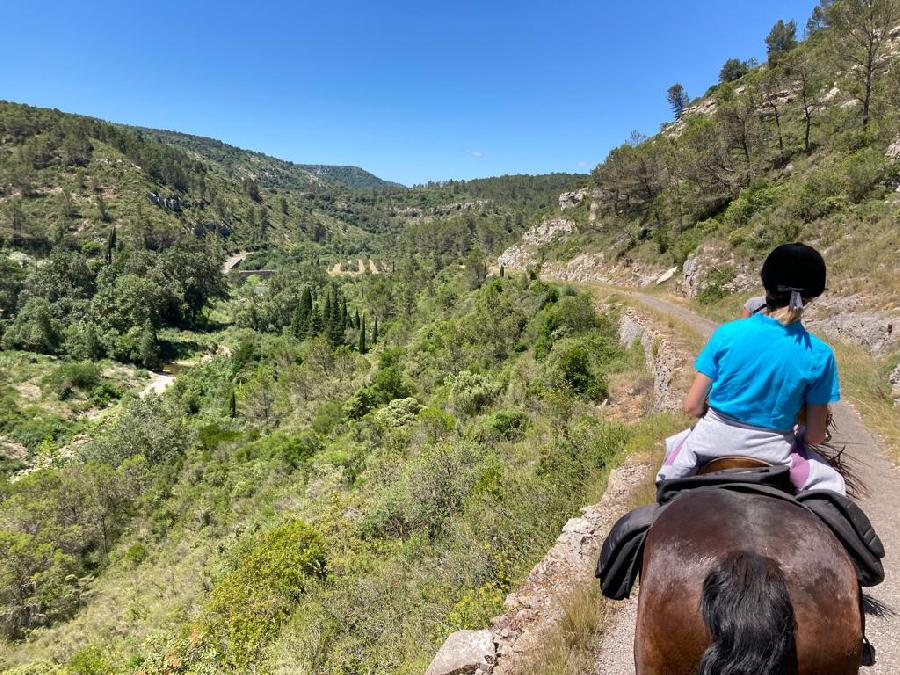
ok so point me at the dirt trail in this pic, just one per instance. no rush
(229, 264)
(882, 505)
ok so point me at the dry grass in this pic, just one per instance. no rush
(570, 649)
(864, 381)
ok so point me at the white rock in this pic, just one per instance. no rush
(893, 150)
(570, 199)
(520, 256)
(465, 652)
(665, 276)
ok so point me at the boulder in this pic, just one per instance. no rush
(465, 652)
(665, 276)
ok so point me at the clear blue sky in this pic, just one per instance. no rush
(411, 91)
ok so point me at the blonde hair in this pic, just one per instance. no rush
(786, 316)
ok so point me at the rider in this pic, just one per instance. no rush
(759, 373)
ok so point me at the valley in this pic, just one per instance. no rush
(263, 416)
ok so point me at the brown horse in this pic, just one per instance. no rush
(743, 584)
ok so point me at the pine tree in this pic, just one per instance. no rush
(678, 99)
(362, 336)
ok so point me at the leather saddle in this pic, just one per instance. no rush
(732, 463)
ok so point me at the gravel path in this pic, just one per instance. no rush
(229, 264)
(882, 505)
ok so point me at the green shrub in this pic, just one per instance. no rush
(247, 606)
(471, 392)
(83, 375)
(136, 554)
(864, 171)
(89, 661)
(713, 288)
(578, 364)
(506, 425)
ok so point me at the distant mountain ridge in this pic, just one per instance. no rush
(266, 170)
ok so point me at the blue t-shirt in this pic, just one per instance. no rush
(763, 372)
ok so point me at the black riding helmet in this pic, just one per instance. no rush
(793, 268)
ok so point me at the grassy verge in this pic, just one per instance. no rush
(864, 381)
(571, 647)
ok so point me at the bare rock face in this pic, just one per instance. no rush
(465, 652)
(709, 256)
(664, 360)
(874, 331)
(520, 256)
(893, 150)
(594, 268)
(569, 200)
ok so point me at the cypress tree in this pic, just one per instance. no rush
(315, 322)
(356, 319)
(343, 314)
(327, 314)
(300, 321)
(111, 244)
(148, 350)
(232, 405)
(375, 331)
(362, 336)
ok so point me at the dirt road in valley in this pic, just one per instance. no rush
(229, 264)
(882, 504)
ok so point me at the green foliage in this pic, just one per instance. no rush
(470, 393)
(89, 661)
(83, 375)
(733, 69)
(781, 39)
(150, 428)
(506, 425)
(247, 605)
(713, 288)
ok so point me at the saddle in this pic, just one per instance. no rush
(622, 552)
(735, 463)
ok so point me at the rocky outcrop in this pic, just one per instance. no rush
(594, 268)
(568, 200)
(875, 331)
(664, 361)
(526, 253)
(710, 256)
(894, 381)
(893, 151)
(465, 652)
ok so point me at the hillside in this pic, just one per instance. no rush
(304, 413)
(791, 149)
(268, 171)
